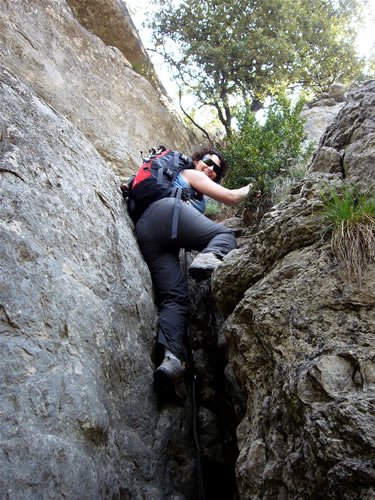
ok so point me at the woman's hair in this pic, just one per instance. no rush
(201, 153)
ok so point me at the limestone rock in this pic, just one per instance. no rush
(300, 342)
(327, 160)
(79, 418)
(294, 223)
(235, 224)
(337, 91)
(323, 103)
(88, 82)
(110, 21)
(301, 335)
(317, 119)
(352, 134)
(320, 113)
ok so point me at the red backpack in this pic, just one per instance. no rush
(154, 181)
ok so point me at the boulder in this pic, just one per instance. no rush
(337, 91)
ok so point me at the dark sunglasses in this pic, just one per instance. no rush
(210, 163)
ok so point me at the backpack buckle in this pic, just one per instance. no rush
(168, 172)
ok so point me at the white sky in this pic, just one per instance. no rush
(140, 10)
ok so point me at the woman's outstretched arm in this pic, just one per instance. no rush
(203, 184)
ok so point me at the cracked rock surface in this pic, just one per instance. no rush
(79, 417)
(87, 79)
(301, 336)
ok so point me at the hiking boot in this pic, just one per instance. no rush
(167, 374)
(203, 266)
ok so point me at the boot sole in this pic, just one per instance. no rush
(199, 274)
(163, 382)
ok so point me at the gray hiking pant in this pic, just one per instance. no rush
(161, 252)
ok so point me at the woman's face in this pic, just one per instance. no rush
(208, 164)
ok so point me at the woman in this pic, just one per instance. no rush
(194, 232)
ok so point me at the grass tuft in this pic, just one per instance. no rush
(351, 216)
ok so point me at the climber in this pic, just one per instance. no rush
(194, 232)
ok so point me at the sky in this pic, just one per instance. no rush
(140, 10)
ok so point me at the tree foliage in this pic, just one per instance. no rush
(224, 50)
(266, 153)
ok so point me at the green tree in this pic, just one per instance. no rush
(228, 50)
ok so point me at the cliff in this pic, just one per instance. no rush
(111, 22)
(301, 334)
(89, 82)
(79, 418)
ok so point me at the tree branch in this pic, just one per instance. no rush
(192, 119)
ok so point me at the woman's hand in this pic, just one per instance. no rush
(245, 190)
(126, 186)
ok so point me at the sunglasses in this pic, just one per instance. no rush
(210, 163)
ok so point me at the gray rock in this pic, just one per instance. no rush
(110, 21)
(337, 91)
(352, 134)
(301, 336)
(294, 223)
(303, 352)
(326, 160)
(79, 418)
(317, 119)
(235, 224)
(323, 103)
(88, 82)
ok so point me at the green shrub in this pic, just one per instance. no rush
(213, 209)
(265, 154)
(350, 215)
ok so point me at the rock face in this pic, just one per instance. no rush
(79, 418)
(110, 21)
(87, 81)
(301, 336)
(352, 137)
(321, 113)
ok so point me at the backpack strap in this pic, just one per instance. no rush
(167, 171)
(176, 212)
(176, 159)
(160, 176)
(177, 193)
